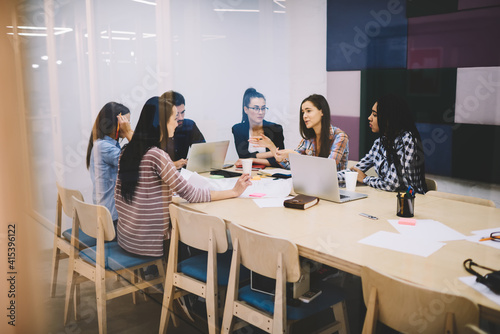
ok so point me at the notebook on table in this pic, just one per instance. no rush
(315, 176)
(204, 157)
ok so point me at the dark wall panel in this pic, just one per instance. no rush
(469, 4)
(437, 142)
(430, 94)
(475, 152)
(416, 8)
(366, 34)
(462, 39)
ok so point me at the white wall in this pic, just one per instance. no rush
(126, 51)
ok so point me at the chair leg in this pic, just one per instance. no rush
(168, 302)
(101, 301)
(134, 282)
(70, 291)
(76, 303)
(340, 313)
(55, 268)
(212, 313)
(143, 278)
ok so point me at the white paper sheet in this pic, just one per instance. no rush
(487, 232)
(483, 289)
(402, 243)
(476, 237)
(428, 229)
(270, 188)
(276, 202)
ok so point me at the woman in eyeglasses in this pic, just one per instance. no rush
(253, 125)
(397, 155)
(319, 137)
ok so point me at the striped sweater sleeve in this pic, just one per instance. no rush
(166, 170)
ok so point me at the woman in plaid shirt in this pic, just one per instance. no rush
(319, 137)
(398, 150)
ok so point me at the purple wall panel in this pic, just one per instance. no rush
(469, 4)
(461, 39)
(349, 125)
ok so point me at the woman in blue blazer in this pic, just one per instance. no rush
(254, 125)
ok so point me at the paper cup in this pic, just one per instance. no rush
(350, 180)
(247, 166)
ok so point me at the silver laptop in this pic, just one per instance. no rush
(204, 157)
(315, 176)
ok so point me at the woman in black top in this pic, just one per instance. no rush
(397, 155)
(254, 125)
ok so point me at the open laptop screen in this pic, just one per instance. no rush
(204, 157)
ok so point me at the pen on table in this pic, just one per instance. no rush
(486, 239)
(367, 216)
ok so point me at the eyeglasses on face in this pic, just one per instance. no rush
(257, 109)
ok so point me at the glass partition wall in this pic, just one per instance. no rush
(79, 55)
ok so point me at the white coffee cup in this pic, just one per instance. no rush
(247, 166)
(350, 180)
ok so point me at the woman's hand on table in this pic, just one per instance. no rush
(242, 184)
(361, 175)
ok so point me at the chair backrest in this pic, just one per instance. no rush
(65, 196)
(260, 252)
(409, 308)
(194, 228)
(462, 198)
(431, 184)
(89, 215)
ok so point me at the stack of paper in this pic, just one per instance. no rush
(423, 238)
(482, 234)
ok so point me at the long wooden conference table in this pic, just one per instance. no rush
(329, 233)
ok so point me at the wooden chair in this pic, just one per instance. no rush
(409, 308)
(62, 243)
(369, 172)
(462, 198)
(103, 260)
(278, 259)
(200, 274)
(431, 184)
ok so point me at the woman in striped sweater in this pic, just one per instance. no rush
(147, 177)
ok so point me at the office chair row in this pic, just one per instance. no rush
(216, 275)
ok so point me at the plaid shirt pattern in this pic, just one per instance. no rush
(387, 175)
(339, 150)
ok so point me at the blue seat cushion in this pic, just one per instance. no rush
(116, 257)
(85, 239)
(196, 267)
(330, 295)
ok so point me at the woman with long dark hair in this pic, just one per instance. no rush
(103, 151)
(319, 137)
(254, 126)
(397, 154)
(147, 177)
